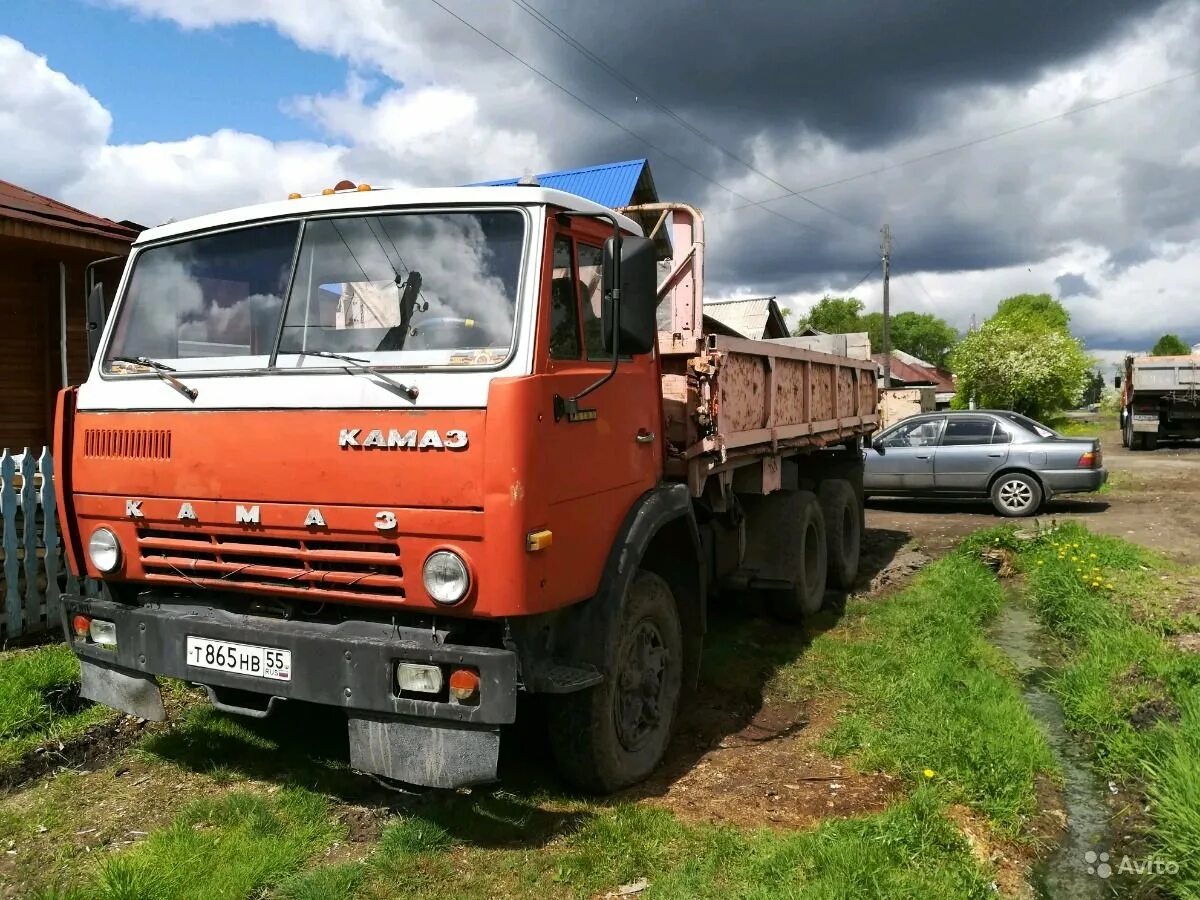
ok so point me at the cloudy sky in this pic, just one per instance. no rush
(157, 109)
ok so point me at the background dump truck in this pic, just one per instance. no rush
(414, 453)
(1160, 399)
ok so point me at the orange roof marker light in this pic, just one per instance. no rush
(345, 185)
(364, 187)
(294, 195)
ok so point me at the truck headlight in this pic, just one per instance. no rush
(104, 550)
(446, 577)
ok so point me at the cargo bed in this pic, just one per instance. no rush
(730, 402)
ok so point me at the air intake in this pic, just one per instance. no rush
(127, 443)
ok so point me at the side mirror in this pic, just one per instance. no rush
(1117, 382)
(95, 320)
(878, 446)
(638, 295)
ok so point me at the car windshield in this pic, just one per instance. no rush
(403, 289)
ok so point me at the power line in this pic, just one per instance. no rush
(616, 74)
(869, 272)
(614, 122)
(977, 141)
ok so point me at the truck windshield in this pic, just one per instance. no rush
(402, 289)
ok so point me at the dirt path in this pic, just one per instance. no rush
(1154, 500)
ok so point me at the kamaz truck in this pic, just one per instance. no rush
(416, 454)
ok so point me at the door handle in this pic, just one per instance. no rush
(996, 455)
(644, 437)
(922, 455)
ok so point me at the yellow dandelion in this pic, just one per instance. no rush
(1041, 562)
(1109, 585)
(929, 773)
(1093, 556)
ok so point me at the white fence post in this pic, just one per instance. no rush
(29, 536)
(50, 537)
(8, 509)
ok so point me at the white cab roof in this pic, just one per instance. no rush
(365, 201)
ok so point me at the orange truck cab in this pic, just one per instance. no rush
(407, 453)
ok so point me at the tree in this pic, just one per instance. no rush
(1019, 363)
(834, 315)
(1170, 345)
(1034, 308)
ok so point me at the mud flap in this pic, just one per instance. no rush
(132, 692)
(445, 755)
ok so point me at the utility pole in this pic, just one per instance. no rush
(887, 307)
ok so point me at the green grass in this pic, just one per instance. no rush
(231, 847)
(39, 690)
(911, 850)
(929, 692)
(1123, 686)
(917, 684)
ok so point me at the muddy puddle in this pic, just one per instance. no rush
(1076, 869)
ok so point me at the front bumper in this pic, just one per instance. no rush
(1075, 481)
(351, 665)
(348, 664)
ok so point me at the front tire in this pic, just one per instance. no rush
(616, 733)
(1015, 494)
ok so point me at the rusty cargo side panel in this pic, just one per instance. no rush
(736, 401)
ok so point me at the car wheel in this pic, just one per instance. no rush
(1016, 494)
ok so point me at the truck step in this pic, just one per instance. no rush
(554, 677)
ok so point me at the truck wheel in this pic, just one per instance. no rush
(1016, 494)
(1126, 429)
(843, 531)
(1149, 440)
(615, 734)
(807, 595)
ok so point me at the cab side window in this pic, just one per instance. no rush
(564, 303)
(591, 270)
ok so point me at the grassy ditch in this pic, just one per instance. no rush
(1125, 684)
(248, 808)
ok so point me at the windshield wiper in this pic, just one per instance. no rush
(364, 365)
(163, 371)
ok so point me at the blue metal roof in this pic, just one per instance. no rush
(609, 185)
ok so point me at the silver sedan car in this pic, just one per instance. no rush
(1016, 462)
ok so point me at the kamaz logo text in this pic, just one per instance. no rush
(394, 438)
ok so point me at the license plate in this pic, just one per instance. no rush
(240, 659)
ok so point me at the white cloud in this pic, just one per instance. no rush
(51, 130)
(150, 183)
(54, 139)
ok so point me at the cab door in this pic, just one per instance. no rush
(599, 461)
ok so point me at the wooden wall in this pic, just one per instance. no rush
(30, 353)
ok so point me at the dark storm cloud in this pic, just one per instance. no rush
(863, 73)
(1074, 284)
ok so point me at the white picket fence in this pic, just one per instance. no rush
(35, 569)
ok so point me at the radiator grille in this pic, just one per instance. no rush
(127, 443)
(312, 569)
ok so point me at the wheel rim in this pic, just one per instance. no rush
(641, 684)
(1015, 495)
